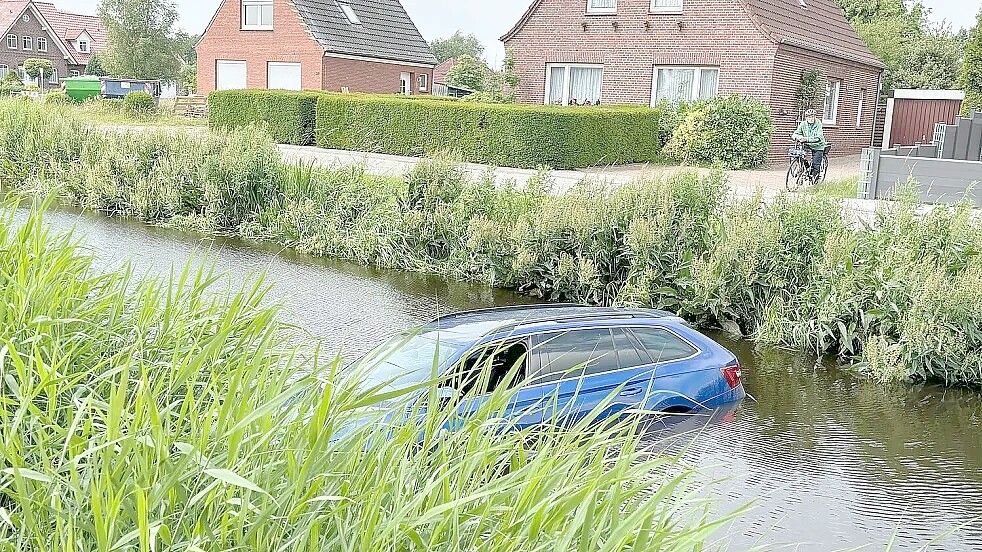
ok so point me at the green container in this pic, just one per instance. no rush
(83, 88)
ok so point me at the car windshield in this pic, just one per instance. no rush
(406, 360)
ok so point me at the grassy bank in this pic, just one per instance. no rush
(113, 112)
(903, 299)
(166, 415)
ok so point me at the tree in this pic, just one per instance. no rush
(143, 42)
(457, 45)
(971, 77)
(96, 67)
(468, 73)
(38, 69)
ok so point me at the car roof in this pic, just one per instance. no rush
(517, 320)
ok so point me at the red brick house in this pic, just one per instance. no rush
(335, 45)
(648, 51)
(39, 30)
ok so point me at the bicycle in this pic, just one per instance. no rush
(800, 169)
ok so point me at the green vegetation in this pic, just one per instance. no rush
(143, 40)
(457, 45)
(140, 104)
(501, 135)
(170, 415)
(903, 297)
(971, 77)
(917, 53)
(290, 117)
(57, 98)
(733, 131)
(114, 112)
(38, 68)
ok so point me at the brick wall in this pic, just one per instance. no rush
(847, 137)
(371, 76)
(630, 43)
(13, 58)
(288, 42)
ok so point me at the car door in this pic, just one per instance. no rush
(485, 370)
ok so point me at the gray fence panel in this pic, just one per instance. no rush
(928, 151)
(961, 139)
(948, 148)
(975, 140)
(938, 180)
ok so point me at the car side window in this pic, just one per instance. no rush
(573, 354)
(491, 366)
(628, 355)
(663, 345)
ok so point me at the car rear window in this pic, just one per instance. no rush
(564, 355)
(663, 345)
(628, 354)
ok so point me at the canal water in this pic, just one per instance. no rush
(826, 460)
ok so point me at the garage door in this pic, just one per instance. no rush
(230, 75)
(283, 76)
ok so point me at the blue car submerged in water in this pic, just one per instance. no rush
(563, 361)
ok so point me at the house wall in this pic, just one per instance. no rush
(288, 42)
(370, 76)
(846, 137)
(33, 28)
(630, 43)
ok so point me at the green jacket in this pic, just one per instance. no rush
(814, 135)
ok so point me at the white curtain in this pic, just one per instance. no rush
(585, 84)
(603, 4)
(708, 83)
(675, 85)
(557, 77)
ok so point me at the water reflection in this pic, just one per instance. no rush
(833, 462)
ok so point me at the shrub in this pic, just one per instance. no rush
(288, 116)
(733, 131)
(140, 104)
(57, 98)
(502, 135)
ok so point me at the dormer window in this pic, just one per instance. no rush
(349, 12)
(666, 6)
(83, 46)
(601, 6)
(257, 15)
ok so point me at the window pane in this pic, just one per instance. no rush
(666, 3)
(675, 85)
(3, 71)
(266, 16)
(54, 77)
(662, 345)
(831, 99)
(563, 356)
(628, 355)
(584, 85)
(603, 4)
(708, 83)
(557, 76)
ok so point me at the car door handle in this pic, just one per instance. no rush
(631, 392)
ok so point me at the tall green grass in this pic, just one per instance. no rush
(899, 298)
(166, 415)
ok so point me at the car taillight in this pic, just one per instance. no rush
(733, 375)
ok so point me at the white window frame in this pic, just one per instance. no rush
(652, 8)
(406, 83)
(349, 12)
(862, 108)
(260, 3)
(833, 87)
(4, 70)
(54, 77)
(569, 67)
(696, 80)
(74, 73)
(27, 43)
(592, 10)
(15, 40)
(83, 46)
(423, 81)
(42, 44)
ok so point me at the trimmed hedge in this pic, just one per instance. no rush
(288, 116)
(501, 135)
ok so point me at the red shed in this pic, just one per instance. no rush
(912, 115)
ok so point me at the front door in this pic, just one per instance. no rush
(406, 84)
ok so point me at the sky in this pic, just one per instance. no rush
(488, 19)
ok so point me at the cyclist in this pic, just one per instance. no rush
(812, 135)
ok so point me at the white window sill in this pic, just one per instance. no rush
(257, 28)
(829, 124)
(665, 11)
(600, 12)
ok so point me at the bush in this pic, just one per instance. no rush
(140, 104)
(57, 98)
(502, 135)
(288, 116)
(733, 131)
